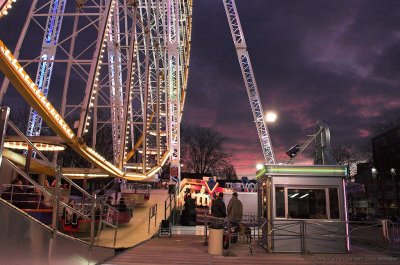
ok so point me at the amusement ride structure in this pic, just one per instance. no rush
(124, 67)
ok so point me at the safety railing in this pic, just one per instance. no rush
(109, 216)
(170, 204)
(311, 236)
(23, 196)
(328, 236)
(152, 214)
(245, 230)
(59, 207)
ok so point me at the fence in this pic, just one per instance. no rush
(313, 236)
(170, 204)
(59, 208)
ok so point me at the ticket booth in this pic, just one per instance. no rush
(304, 208)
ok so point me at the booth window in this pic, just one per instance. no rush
(307, 203)
(334, 203)
(280, 201)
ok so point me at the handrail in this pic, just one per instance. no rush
(26, 177)
(170, 198)
(108, 207)
(42, 189)
(16, 130)
(55, 197)
(105, 187)
(20, 134)
(152, 213)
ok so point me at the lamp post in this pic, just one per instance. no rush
(374, 173)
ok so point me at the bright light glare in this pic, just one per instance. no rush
(305, 195)
(271, 117)
(259, 166)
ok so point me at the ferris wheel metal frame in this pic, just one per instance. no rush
(131, 57)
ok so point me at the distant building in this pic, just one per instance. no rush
(368, 202)
(386, 155)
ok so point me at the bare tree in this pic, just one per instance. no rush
(228, 173)
(202, 150)
(342, 154)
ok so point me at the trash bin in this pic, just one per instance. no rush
(215, 241)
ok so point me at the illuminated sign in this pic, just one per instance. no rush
(295, 170)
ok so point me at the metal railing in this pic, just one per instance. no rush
(170, 205)
(311, 236)
(328, 236)
(109, 216)
(23, 196)
(152, 214)
(246, 230)
(59, 207)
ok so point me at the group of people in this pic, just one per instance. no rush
(23, 196)
(234, 211)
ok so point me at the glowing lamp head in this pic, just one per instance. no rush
(271, 116)
(259, 166)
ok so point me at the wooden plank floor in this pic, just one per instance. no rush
(135, 231)
(185, 249)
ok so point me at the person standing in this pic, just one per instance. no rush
(235, 209)
(235, 213)
(218, 208)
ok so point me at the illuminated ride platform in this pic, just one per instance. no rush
(304, 208)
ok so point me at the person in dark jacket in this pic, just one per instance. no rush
(218, 208)
(235, 213)
(235, 208)
(189, 212)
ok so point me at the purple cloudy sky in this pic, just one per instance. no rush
(335, 60)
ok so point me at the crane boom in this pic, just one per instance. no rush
(249, 79)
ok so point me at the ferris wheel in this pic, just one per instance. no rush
(109, 67)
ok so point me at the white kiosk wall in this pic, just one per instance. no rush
(248, 199)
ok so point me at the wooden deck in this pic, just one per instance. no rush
(185, 249)
(135, 231)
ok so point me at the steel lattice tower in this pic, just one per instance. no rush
(123, 67)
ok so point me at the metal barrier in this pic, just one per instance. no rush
(169, 204)
(315, 236)
(109, 215)
(247, 229)
(59, 207)
(152, 213)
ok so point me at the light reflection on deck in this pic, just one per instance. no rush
(135, 231)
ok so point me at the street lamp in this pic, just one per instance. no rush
(271, 117)
(259, 166)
